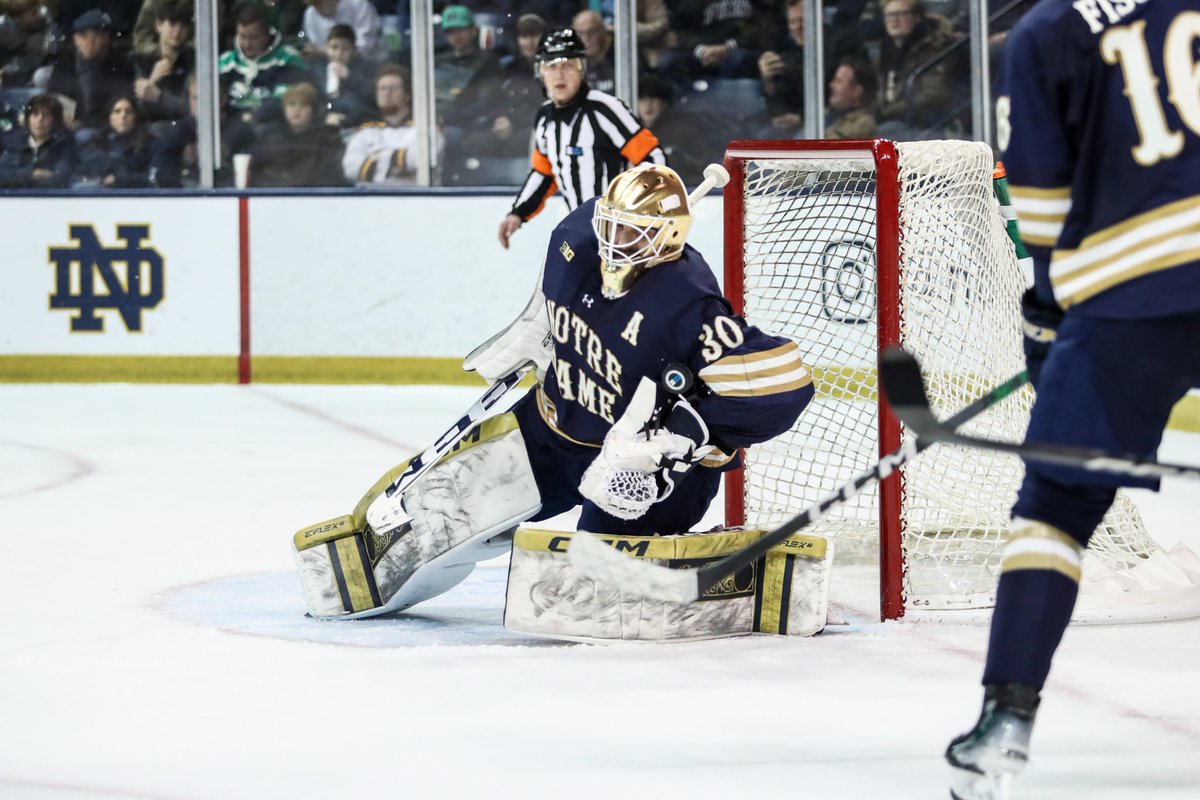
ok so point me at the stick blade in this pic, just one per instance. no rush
(900, 375)
(594, 558)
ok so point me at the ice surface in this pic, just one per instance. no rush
(153, 643)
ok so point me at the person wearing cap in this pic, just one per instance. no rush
(91, 73)
(459, 71)
(507, 100)
(582, 137)
(121, 16)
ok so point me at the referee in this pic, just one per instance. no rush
(582, 138)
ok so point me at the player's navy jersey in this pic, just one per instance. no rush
(1099, 124)
(673, 313)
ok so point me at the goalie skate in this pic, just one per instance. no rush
(985, 759)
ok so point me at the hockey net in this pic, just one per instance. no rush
(806, 256)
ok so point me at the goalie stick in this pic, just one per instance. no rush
(901, 376)
(593, 557)
(387, 511)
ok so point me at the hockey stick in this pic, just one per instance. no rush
(715, 176)
(901, 377)
(592, 556)
(387, 512)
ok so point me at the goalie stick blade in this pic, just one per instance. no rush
(590, 555)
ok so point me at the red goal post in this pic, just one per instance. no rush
(883, 153)
(848, 247)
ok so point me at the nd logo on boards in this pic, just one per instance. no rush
(89, 276)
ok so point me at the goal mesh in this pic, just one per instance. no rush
(808, 271)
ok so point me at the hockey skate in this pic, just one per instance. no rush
(985, 759)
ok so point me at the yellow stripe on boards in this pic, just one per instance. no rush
(832, 381)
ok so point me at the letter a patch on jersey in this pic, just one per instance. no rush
(630, 333)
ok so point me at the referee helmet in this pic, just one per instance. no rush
(560, 45)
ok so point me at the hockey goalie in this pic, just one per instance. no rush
(622, 300)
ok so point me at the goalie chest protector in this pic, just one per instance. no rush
(602, 348)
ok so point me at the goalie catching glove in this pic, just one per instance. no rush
(638, 465)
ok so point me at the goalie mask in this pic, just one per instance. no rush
(642, 220)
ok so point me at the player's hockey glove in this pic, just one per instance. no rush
(636, 470)
(1040, 326)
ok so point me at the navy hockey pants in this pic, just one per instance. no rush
(1110, 384)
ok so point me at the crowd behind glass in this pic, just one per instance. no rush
(318, 93)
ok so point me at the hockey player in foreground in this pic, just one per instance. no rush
(1103, 158)
(621, 297)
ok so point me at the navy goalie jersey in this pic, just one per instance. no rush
(674, 313)
(1099, 124)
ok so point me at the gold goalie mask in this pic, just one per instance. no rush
(642, 220)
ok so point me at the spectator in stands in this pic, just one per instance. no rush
(360, 15)
(347, 78)
(598, 41)
(92, 74)
(459, 72)
(260, 67)
(913, 40)
(513, 97)
(382, 152)
(161, 82)
(121, 15)
(687, 143)
(850, 97)
(287, 18)
(176, 159)
(284, 16)
(120, 156)
(716, 39)
(28, 42)
(41, 154)
(305, 151)
(781, 72)
(653, 32)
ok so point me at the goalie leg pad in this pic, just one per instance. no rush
(461, 512)
(786, 592)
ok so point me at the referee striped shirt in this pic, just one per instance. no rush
(578, 148)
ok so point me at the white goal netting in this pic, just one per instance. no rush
(809, 246)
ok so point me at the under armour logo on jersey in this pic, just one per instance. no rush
(135, 288)
(566, 251)
(588, 300)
